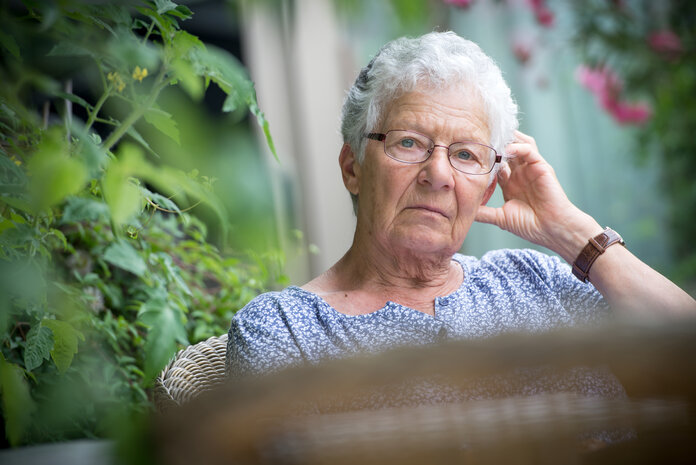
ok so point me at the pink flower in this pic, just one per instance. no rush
(607, 87)
(522, 50)
(630, 113)
(460, 3)
(602, 82)
(543, 15)
(666, 43)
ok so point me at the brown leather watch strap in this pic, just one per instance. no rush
(594, 248)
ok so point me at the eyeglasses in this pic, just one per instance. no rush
(411, 147)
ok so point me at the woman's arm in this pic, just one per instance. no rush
(537, 209)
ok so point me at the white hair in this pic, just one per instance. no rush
(439, 60)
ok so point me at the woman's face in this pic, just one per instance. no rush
(426, 207)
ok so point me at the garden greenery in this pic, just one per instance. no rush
(104, 272)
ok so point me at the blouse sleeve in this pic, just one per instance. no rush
(582, 300)
(260, 340)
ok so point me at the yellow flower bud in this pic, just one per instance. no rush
(139, 73)
(116, 80)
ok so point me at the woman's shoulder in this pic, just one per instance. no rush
(277, 305)
(518, 261)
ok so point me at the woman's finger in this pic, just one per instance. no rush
(503, 175)
(523, 152)
(489, 215)
(522, 137)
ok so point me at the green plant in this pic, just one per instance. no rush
(102, 274)
(651, 45)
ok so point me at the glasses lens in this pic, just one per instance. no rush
(472, 158)
(407, 146)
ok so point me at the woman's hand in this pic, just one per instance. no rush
(536, 208)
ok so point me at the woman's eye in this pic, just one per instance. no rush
(408, 143)
(465, 155)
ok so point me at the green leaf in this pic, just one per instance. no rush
(173, 273)
(82, 209)
(186, 44)
(88, 151)
(74, 98)
(182, 12)
(166, 327)
(53, 175)
(124, 256)
(121, 194)
(261, 120)
(38, 348)
(65, 338)
(141, 140)
(19, 204)
(6, 224)
(17, 404)
(164, 6)
(163, 121)
(11, 175)
(9, 43)
(62, 49)
(128, 52)
(189, 81)
(57, 233)
(119, 14)
(232, 102)
(224, 69)
(160, 200)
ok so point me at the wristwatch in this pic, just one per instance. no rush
(594, 248)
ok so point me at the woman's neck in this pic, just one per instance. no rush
(366, 278)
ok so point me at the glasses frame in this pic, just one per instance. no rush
(382, 137)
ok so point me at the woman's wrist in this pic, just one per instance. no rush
(573, 234)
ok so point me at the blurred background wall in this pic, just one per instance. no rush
(304, 54)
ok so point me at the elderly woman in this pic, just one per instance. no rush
(429, 130)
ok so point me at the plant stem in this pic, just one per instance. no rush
(149, 31)
(139, 111)
(97, 107)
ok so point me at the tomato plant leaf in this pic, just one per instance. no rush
(38, 348)
(141, 140)
(121, 195)
(53, 174)
(65, 342)
(164, 122)
(17, 404)
(263, 123)
(165, 329)
(182, 12)
(163, 6)
(74, 98)
(17, 203)
(83, 209)
(7, 41)
(122, 255)
(62, 49)
(188, 79)
(160, 200)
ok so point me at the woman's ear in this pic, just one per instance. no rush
(350, 169)
(489, 191)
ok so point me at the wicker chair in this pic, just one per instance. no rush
(193, 370)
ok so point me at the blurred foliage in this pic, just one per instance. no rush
(103, 275)
(652, 46)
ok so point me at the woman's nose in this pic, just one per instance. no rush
(437, 172)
